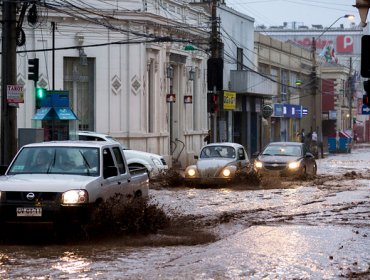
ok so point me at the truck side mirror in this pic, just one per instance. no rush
(3, 169)
(110, 171)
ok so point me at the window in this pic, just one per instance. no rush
(120, 162)
(79, 81)
(239, 59)
(107, 158)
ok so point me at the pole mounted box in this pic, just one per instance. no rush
(33, 69)
(365, 56)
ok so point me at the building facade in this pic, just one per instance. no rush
(338, 58)
(126, 69)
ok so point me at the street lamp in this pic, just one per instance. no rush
(350, 17)
(316, 125)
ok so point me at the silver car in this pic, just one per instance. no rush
(218, 163)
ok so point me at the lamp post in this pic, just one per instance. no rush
(315, 125)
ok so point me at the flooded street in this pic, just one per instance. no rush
(312, 229)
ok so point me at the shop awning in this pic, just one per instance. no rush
(41, 114)
(65, 114)
(55, 113)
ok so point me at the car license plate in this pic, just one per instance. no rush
(29, 212)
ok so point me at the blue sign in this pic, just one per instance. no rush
(278, 110)
(289, 111)
(365, 110)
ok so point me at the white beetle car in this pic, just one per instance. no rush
(218, 163)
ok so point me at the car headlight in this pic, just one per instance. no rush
(157, 162)
(294, 165)
(75, 197)
(191, 172)
(258, 164)
(226, 172)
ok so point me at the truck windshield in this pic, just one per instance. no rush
(57, 160)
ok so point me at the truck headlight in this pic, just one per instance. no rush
(75, 197)
(191, 172)
(293, 165)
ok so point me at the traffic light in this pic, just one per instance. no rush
(215, 68)
(39, 97)
(366, 100)
(366, 97)
(212, 103)
(33, 69)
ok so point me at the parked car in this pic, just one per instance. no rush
(153, 163)
(285, 158)
(64, 181)
(218, 163)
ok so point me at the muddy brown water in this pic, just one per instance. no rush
(317, 228)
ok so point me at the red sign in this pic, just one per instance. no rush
(344, 44)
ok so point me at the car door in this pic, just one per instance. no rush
(112, 178)
(243, 161)
(125, 183)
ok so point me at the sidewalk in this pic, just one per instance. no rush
(361, 146)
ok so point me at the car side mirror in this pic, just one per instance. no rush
(309, 155)
(255, 154)
(110, 171)
(196, 157)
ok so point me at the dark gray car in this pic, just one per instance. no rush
(285, 158)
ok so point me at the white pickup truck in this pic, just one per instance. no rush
(65, 181)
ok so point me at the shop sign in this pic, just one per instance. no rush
(15, 94)
(229, 100)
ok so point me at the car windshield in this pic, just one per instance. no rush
(283, 150)
(218, 152)
(57, 160)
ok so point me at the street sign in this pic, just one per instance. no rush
(365, 110)
(267, 111)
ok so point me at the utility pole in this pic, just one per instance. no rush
(215, 70)
(314, 86)
(8, 77)
(350, 93)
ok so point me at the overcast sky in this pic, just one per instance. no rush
(304, 12)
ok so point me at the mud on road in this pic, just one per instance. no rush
(302, 228)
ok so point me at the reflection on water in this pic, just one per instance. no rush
(72, 263)
(258, 252)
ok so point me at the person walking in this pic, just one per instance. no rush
(302, 136)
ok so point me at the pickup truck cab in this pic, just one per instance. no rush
(66, 181)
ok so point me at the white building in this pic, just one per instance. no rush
(113, 57)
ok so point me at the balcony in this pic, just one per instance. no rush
(248, 82)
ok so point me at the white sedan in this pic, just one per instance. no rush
(218, 163)
(153, 163)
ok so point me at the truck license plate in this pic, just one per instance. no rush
(29, 212)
